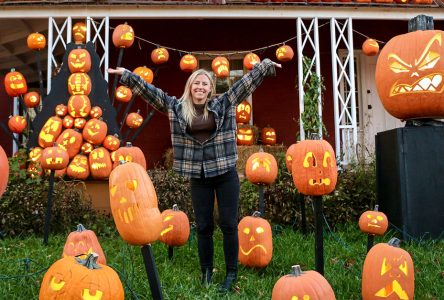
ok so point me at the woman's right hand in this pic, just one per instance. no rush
(118, 70)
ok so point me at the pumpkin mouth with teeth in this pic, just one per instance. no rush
(431, 83)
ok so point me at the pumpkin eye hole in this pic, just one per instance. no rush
(113, 190)
(131, 184)
(260, 230)
(430, 61)
(398, 68)
(403, 268)
(307, 156)
(325, 161)
(246, 230)
(167, 218)
(385, 267)
(369, 216)
(379, 218)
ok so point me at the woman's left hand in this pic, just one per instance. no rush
(276, 64)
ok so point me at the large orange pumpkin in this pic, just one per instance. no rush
(82, 242)
(71, 140)
(129, 153)
(314, 167)
(388, 272)
(4, 174)
(302, 285)
(50, 131)
(133, 202)
(95, 131)
(79, 60)
(78, 168)
(409, 75)
(373, 222)
(175, 227)
(255, 241)
(261, 168)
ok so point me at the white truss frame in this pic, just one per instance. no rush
(308, 38)
(343, 72)
(100, 38)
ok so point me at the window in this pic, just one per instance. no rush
(223, 84)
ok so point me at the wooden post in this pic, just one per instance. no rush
(319, 235)
(151, 271)
(48, 208)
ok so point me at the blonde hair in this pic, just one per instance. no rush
(188, 111)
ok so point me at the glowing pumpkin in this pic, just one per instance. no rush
(100, 164)
(268, 135)
(61, 110)
(79, 106)
(250, 60)
(284, 53)
(78, 168)
(373, 222)
(221, 66)
(111, 142)
(79, 123)
(134, 120)
(145, 73)
(95, 131)
(79, 60)
(96, 112)
(36, 41)
(31, 99)
(35, 154)
(188, 63)
(175, 227)
(68, 122)
(370, 47)
(15, 84)
(71, 140)
(289, 156)
(123, 94)
(123, 36)
(79, 33)
(54, 158)
(261, 168)
(160, 56)
(17, 124)
(79, 84)
(50, 131)
(243, 112)
(129, 153)
(245, 135)
(82, 242)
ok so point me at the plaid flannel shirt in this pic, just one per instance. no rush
(218, 153)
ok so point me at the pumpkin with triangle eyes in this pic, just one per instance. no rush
(95, 131)
(79, 60)
(71, 140)
(373, 222)
(15, 84)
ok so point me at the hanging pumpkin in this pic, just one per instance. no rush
(68, 121)
(245, 135)
(17, 124)
(50, 131)
(268, 135)
(250, 60)
(79, 123)
(314, 167)
(82, 242)
(76, 278)
(100, 164)
(15, 84)
(221, 66)
(96, 112)
(302, 285)
(61, 110)
(133, 202)
(71, 140)
(35, 154)
(373, 222)
(79, 60)
(175, 227)
(123, 36)
(255, 241)
(36, 41)
(243, 112)
(79, 84)
(95, 131)
(79, 106)
(370, 47)
(129, 153)
(79, 32)
(4, 175)
(31, 99)
(145, 73)
(409, 75)
(388, 272)
(160, 55)
(134, 120)
(78, 168)
(111, 142)
(54, 158)
(261, 168)
(188, 63)
(289, 154)
(284, 53)
(123, 94)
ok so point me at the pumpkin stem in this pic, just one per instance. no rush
(256, 214)
(394, 242)
(296, 270)
(175, 207)
(376, 207)
(90, 261)
(80, 228)
(129, 144)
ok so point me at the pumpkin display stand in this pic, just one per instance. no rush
(98, 191)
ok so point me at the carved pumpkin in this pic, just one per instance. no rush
(409, 75)
(71, 140)
(79, 106)
(54, 158)
(79, 60)
(68, 121)
(188, 63)
(221, 67)
(160, 56)
(133, 202)
(268, 135)
(255, 241)
(79, 84)
(82, 242)
(79, 33)
(261, 168)
(78, 168)
(76, 278)
(304, 285)
(31, 99)
(123, 94)
(96, 112)
(250, 60)
(129, 153)
(284, 53)
(373, 222)
(243, 112)
(245, 135)
(61, 110)
(388, 272)
(314, 167)
(134, 120)
(175, 227)
(36, 41)
(111, 142)
(35, 154)
(370, 47)
(123, 36)
(95, 131)
(4, 174)
(87, 148)
(289, 154)
(15, 84)
(50, 131)
(145, 73)
(100, 164)
(34, 170)
(17, 124)
(79, 123)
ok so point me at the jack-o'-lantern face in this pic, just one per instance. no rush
(314, 167)
(35, 154)
(243, 112)
(373, 222)
(370, 47)
(255, 241)
(87, 148)
(95, 131)
(145, 73)
(123, 94)
(54, 158)
(61, 110)
(409, 75)
(112, 143)
(261, 168)
(68, 122)
(284, 53)
(79, 106)
(79, 60)
(96, 112)
(79, 32)
(188, 63)
(50, 131)
(175, 227)
(134, 120)
(268, 136)
(71, 140)
(79, 123)
(100, 163)
(15, 84)
(34, 170)
(123, 36)
(36, 41)
(245, 135)
(250, 60)
(289, 156)
(31, 99)
(221, 67)
(79, 84)
(160, 55)
(17, 124)
(78, 168)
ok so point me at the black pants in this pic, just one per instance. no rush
(226, 187)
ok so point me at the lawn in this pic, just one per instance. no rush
(25, 260)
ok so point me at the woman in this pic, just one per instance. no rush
(203, 136)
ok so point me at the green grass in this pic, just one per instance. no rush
(24, 261)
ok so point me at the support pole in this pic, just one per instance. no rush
(39, 71)
(319, 236)
(370, 240)
(153, 277)
(303, 216)
(48, 208)
(261, 200)
(170, 252)
(116, 77)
